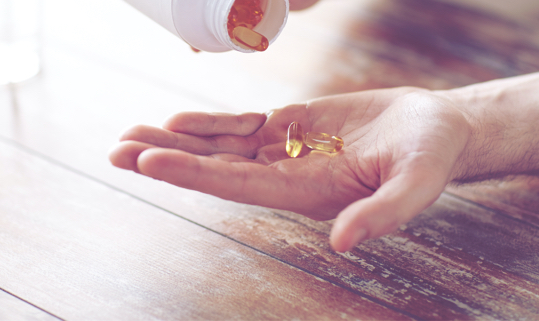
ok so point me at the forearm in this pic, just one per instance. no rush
(504, 117)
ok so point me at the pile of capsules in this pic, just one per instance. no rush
(317, 141)
(243, 17)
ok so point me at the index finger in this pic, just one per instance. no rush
(212, 124)
(245, 182)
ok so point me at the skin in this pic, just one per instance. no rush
(402, 147)
(301, 4)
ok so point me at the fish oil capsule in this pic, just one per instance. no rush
(323, 142)
(245, 37)
(294, 141)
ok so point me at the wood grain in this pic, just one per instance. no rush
(429, 44)
(121, 258)
(442, 265)
(517, 197)
(13, 308)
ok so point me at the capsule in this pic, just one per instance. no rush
(294, 141)
(323, 142)
(249, 39)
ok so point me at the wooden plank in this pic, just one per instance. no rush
(483, 233)
(429, 263)
(456, 260)
(13, 308)
(516, 197)
(429, 44)
(84, 251)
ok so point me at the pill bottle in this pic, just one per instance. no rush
(203, 23)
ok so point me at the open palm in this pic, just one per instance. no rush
(400, 149)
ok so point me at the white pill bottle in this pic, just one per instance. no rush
(203, 23)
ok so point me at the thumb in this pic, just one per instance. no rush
(396, 202)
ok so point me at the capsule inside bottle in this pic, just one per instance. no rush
(294, 141)
(249, 39)
(243, 17)
(323, 142)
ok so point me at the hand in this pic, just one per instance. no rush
(401, 146)
(301, 4)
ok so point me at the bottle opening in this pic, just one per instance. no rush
(265, 25)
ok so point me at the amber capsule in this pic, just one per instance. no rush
(294, 141)
(323, 142)
(249, 39)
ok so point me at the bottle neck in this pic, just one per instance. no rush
(217, 12)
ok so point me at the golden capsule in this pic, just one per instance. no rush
(294, 141)
(323, 142)
(249, 39)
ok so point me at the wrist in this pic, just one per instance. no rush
(504, 119)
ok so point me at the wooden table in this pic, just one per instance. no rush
(80, 239)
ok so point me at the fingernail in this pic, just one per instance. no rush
(359, 236)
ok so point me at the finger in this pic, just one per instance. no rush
(244, 146)
(150, 135)
(249, 183)
(231, 158)
(396, 202)
(125, 154)
(206, 124)
(301, 4)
